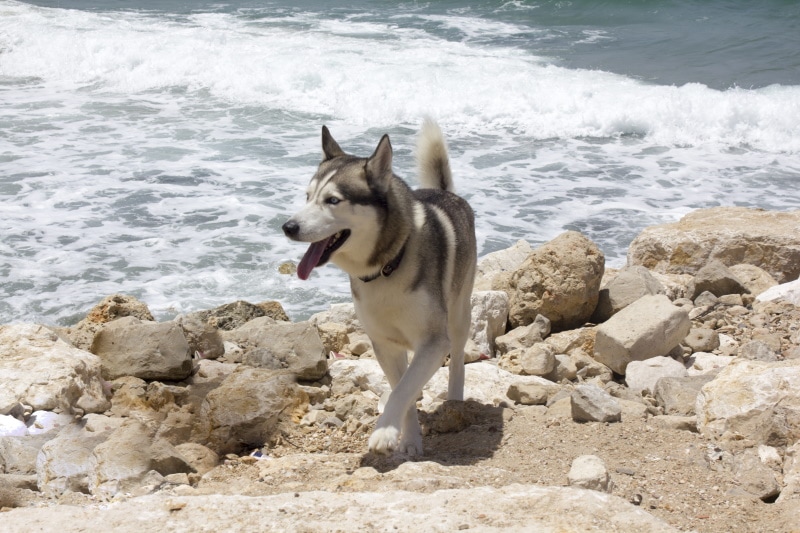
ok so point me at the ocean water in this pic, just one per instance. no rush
(155, 147)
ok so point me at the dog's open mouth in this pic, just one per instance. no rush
(319, 252)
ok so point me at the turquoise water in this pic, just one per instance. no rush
(155, 148)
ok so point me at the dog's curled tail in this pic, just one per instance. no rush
(432, 159)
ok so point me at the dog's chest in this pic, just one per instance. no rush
(394, 315)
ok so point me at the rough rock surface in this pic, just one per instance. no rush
(630, 284)
(647, 328)
(560, 280)
(732, 235)
(40, 370)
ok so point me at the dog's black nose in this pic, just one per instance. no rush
(291, 228)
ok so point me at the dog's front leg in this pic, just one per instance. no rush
(400, 410)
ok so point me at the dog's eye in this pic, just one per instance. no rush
(332, 200)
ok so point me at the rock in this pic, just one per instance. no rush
(732, 235)
(500, 263)
(647, 328)
(28, 353)
(791, 473)
(204, 340)
(538, 360)
(200, 458)
(789, 292)
(678, 395)
(147, 350)
(531, 393)
(515, 507)
(592, 404)
(18, 453)
(45, 421)
(630, 284)
(489, 317)
(589, 472)
(295, 347)
(64, 463)
(12, 427)
(246, 409)
(333, 336)
(560, 280)
(758, 351)
(702, 340)
(344, 313)
(752, 400)
(524, 336)
(756, 280)
(361, 374)
(755, 477)
(110, 308)
(716, 279)
(565, 369)
(643, 375)
(236, 314)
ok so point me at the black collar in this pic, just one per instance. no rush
(388, 269)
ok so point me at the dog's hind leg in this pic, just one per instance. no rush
(400, 409)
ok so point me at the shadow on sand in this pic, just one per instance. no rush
(456, 433)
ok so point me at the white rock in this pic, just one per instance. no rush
(364, 374)
(499, 262)
(789, 292)
(752, 399)
(643, 375)
(41, 370)
(589, 472)
(44, 421)
(489, 317)
(649, 327)
(703, 363)
(11, 427)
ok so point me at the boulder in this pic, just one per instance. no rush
(560, 280)
(110, 308)
(500, 264)
(700, 363)
(590, 403)
(18, 453)
(630, 284)
(45, 373)
(531, 393)
(702, 340)
(296, 347)
(204, 340)
(649, 327)
(732, 235)
(489, 317)
(343, 313)
(642, 376)
(589, 472)
(538, 360)
(333, 336)
(147, 350)
(246, 409)
(753, 400)
(65, 462)
(756, 280)
(678, 395)
(715, 278)
(524, 336)
(789, 292)
(361, 374)
(236, 314)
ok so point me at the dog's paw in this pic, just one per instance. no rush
(384, 440)
(411, 447)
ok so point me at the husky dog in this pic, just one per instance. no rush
(411, 257)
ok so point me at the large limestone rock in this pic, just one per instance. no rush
(732, 235)
(296, 347)
(146, 350)
(511, 508)
(246, 409)
(236, 314)
(109, 309)
(752, 400)
(489, 317)
(789, 292)
(500, 264)
(647, 328)
(40, 370)
(630, 284)
(715, 278)
(560, 280)
(644, 375)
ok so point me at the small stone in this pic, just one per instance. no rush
(589, 472)
(590, 403)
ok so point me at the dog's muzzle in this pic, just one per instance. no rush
(291, 229)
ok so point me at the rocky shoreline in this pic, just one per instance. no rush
(664, 396)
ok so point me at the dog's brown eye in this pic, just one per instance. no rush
(332, 200)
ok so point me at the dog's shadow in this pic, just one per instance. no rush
(456, 433)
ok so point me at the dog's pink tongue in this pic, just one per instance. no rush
(311, 259)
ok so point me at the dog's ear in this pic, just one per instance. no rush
(379, 164)
(330, 148)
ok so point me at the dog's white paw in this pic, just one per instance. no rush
(412, 447)
(384, 440)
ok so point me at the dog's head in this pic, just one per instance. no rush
(345, 203)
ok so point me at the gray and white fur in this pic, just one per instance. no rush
(411, 257)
